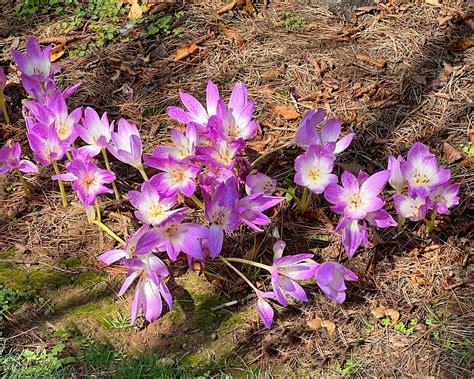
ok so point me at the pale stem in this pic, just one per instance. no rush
(305, 199)
(107, 166)
(3, 107)
(69, 155)
(239, 273)
(293, 195)
(143, 173)
(23, 182)
(97, 208)
(252, 263)
(61, 184)
(106, 229)
(400, 222)
(285, 145)
(197, 201)
(430, 223)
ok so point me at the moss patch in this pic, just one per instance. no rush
(88, 278)
(71, 262)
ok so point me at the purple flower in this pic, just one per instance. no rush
(314, 170)
(354, 233)
(3, 79)
(286, 270)
(184, 147)
(87, 179)
(444, 197)
(251, 209)
(396, 180)
(221, 154)
(40, 91)
(177, 177)
(330, 277)
(152, 207)
(307, 134)
(128, 251)
(264, 308)
(36, 63)
(422, 172)
(45, 144)
(413, 208)
(174, 236)
(96, 132)
(260, 183)
(221, 211)
(127, 146)
(195, 111)
(10, 159)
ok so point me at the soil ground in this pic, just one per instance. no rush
(414, 84)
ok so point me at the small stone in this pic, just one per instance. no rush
(183, 346)
(213, 336)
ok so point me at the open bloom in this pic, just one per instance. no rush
(307, 134)
(95, 131)
(314, 170)
(413, 208)
(87, 179)
(127, 144)
(175, 236)
(10, 159)
(222, 213)
(152, 207)
(422, 172)
(330, 277)
(221, 154)
(444, 197)
(36, 63)
(260, 183)
(251, 209)
(46, 144)
(178, 176)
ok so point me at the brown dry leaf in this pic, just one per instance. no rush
(315, 323)
(57, 52)
(434, 3)
(365, 90)
(185, 51)
(330, 326)
(461, 44)
(380, 63)
(451, 153)
(288, 113)
(231, 33)
(135, 11)
(393, 314)
(378, 312)
(228, 7)
(270, 74)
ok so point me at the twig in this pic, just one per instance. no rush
(233, 302)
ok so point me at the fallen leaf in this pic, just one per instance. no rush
(185, 51)
(270, 74)
(231, 33)
(315, 323)
(228, 7)
(330, 327)
(442, 95)
(57, 52)
(135, 11)
(378, 312)
(380, 63)
(365, 90)
(393, 314)
(434, 3)
(461, 44)
(451, 153)
(288, 113)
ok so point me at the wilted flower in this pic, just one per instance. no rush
(330, 277)
(96, 132)
(127, 144)
(10, 159)
(444, 197)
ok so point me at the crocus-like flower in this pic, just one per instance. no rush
(177, 176)
(286, 270)
(260, 183)
(87, 179)
(152, 207)
(330, 277)
(444, 197)
(195, 111)
(41, 91)
(96, 132)
(307, 134)
(174, 236)
(396, 180)
(128, 251)
(36, 63)
(150, 288)
(184, 147)
(422, 172)
(127, 144)
(264, 308)
(10, 159)
(220, 154)
(413, 208)
(251, 209)
(222, 213)
(354, 233)
(46, 144)
(313, 170)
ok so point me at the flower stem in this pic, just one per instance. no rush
(252, 263)
(23, 183)
(430, 223)
(400, 223)
(69, 155)
(97, 209)
(107, 166)
(143, 173)
(61, 184)
(106, 229)
(3, 107)
(226, 261)
(197, 201)
(293, 195)
(305, 199)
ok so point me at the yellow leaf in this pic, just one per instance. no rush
(135, 10)
(57, 52)
(185, 51)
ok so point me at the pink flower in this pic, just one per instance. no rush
(127, 144)
(36, 63)
(46, 144)
(413, 208)
(444, 197)
(330, 277)
(96, 132)
(260, 183)
(10, 159)
(396, 180)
